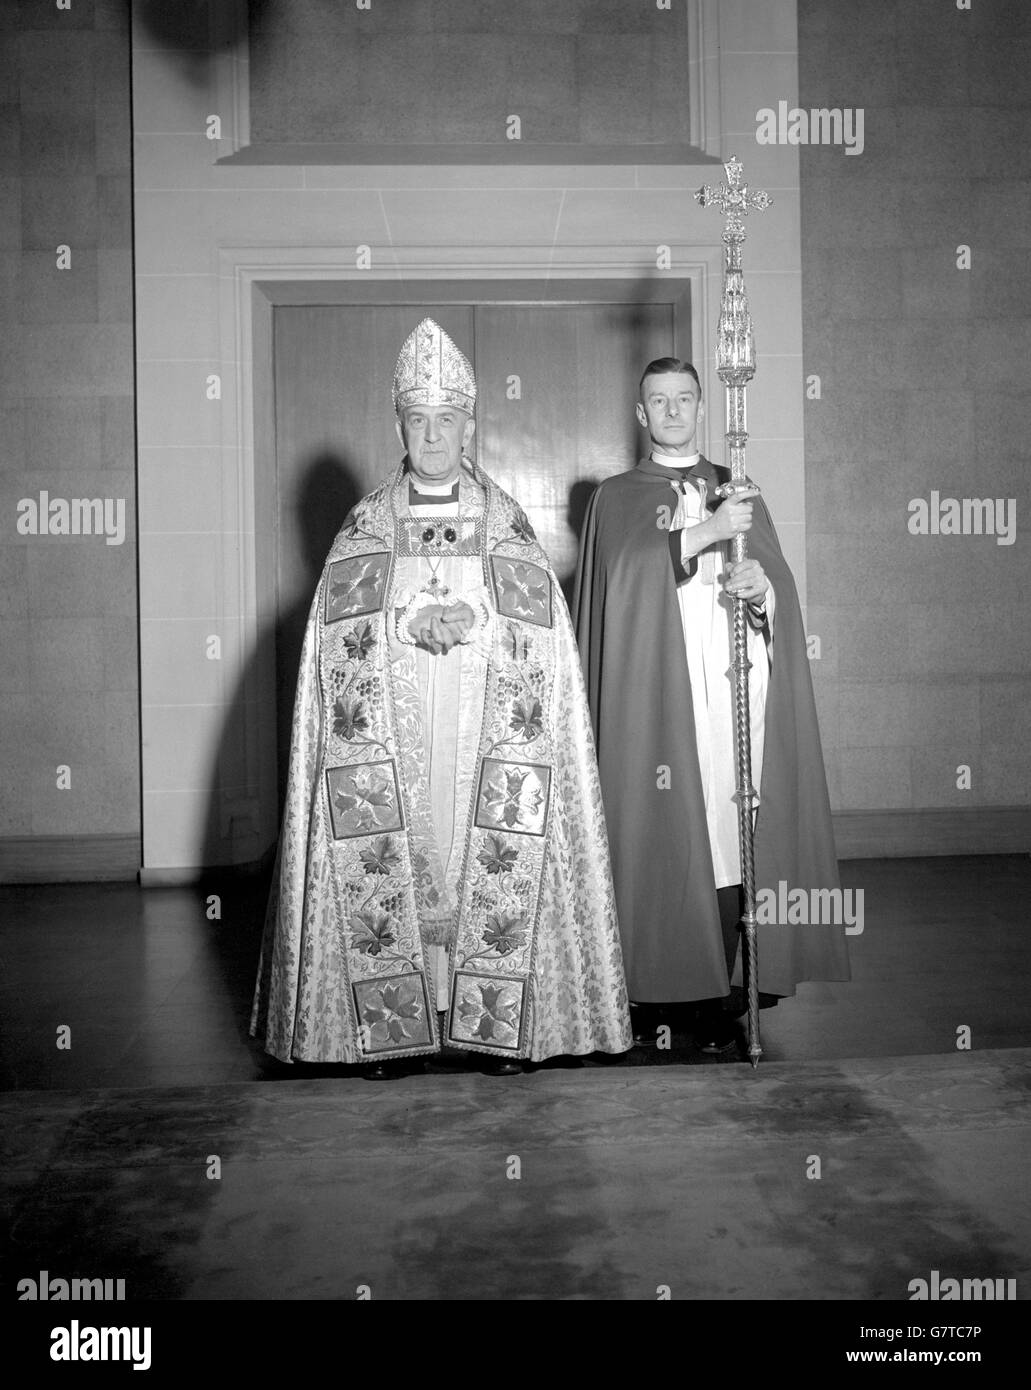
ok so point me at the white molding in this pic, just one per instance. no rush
(230, 39)
(703, 43)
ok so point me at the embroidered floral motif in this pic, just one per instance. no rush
(359, 516)
(496, 858)
(523, 590)
(355, 586)
(373, 931)
(522, 528)
(382, 857)
(527, 719)
(495, 1012)
(505, 933)
(397, 1005)
(512, 797)
(364, 799)
(350, 717)
(370, 798)
(359, 642)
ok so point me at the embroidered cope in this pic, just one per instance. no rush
(443, 842)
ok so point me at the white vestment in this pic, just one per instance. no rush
(706, 614)
(451, 688)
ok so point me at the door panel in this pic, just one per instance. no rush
(573, 424)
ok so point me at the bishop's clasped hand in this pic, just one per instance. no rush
(438, 628)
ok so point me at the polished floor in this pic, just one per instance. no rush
(652, 1171)
(155, 992)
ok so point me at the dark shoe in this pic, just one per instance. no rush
(715, 1033)
(501, 1066)
(383, 1071)
(644, 1020)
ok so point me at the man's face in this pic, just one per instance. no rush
(668, 409)
(434, 437)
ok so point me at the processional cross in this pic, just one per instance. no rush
(735, 367)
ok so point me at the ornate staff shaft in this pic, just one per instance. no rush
(735, 367)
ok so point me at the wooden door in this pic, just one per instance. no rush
(557, 384)
(572, 424)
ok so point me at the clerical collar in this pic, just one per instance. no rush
(677, 462)
(431, 494)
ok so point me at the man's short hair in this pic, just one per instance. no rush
(660, 366)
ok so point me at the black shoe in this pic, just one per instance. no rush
(501, 1066)
(715, 1033)
(383, 1071)
(644, 1020)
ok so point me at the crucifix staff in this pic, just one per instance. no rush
(735, 367)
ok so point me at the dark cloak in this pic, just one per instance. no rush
(632, 646)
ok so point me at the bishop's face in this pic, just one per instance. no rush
(669, 411)
(434, 437)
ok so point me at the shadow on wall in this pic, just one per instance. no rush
(580, 495)
(194, 29)
(328, 488)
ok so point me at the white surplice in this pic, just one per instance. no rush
(706, 614)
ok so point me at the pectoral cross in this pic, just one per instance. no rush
(437, 589)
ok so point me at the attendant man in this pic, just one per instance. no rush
(654, 621)
(443, 875)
